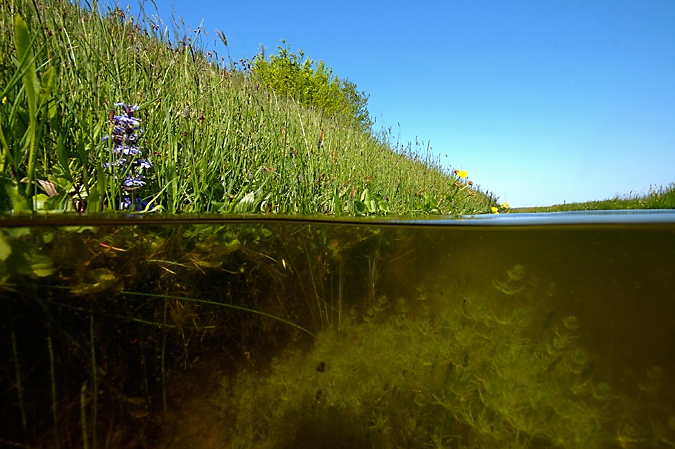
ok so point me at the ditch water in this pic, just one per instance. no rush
(546, 330)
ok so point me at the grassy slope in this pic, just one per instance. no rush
(218, 141)
(656, 198)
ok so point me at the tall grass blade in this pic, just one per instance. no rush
(31, 88)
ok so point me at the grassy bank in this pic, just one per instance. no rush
(656, 198)
(207, 137)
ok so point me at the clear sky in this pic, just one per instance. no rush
(540, 101)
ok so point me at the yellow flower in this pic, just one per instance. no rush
(505, 205)
(4, 100)
(462, 173)
(495, 210)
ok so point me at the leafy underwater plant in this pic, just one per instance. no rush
(466, 378)
(476, 375)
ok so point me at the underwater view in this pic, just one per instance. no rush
(538, 331)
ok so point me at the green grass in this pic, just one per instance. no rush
(657, 198)
(217, 140)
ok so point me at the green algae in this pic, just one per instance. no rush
(465, 378)
(473, 375)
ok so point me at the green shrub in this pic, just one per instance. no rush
(311, 83)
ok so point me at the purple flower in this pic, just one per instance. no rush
(128, 109)
(140, 205)
(133, 183)
(126, 121)
(126, 155)
(126, 204)
(127, 150)
(143, 163)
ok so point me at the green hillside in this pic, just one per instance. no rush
(206, 135)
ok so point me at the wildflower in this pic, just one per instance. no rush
(127, 150)
(127, 159)
(461, 173)
(126, 204)
(495, 210)
(132, 183)
(4, 100)
(505, 205)
(143, 163)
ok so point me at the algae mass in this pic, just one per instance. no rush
(284, 334)
(462, 378)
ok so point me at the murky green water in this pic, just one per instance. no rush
(552, 331)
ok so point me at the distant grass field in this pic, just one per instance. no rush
(655, 198)
(205, 137)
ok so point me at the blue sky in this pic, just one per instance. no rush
(540, 101)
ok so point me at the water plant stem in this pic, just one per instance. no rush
(316, 293)
(339, 321)
(52, 375)
(83, 415)
(19, 389)
(163, 362)
(94, 375)
(214, 303)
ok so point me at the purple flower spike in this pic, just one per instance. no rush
(128, 109)
(127, 121)
(140, 205)
(132, 183)
(143, 163)
(130, 150)
(125, 203)
(126, 155)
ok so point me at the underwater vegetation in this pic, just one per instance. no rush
(286, 335)
(462, 378)
(100, 325)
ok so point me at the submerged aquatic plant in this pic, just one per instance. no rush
(465, 379)
(127, 163)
